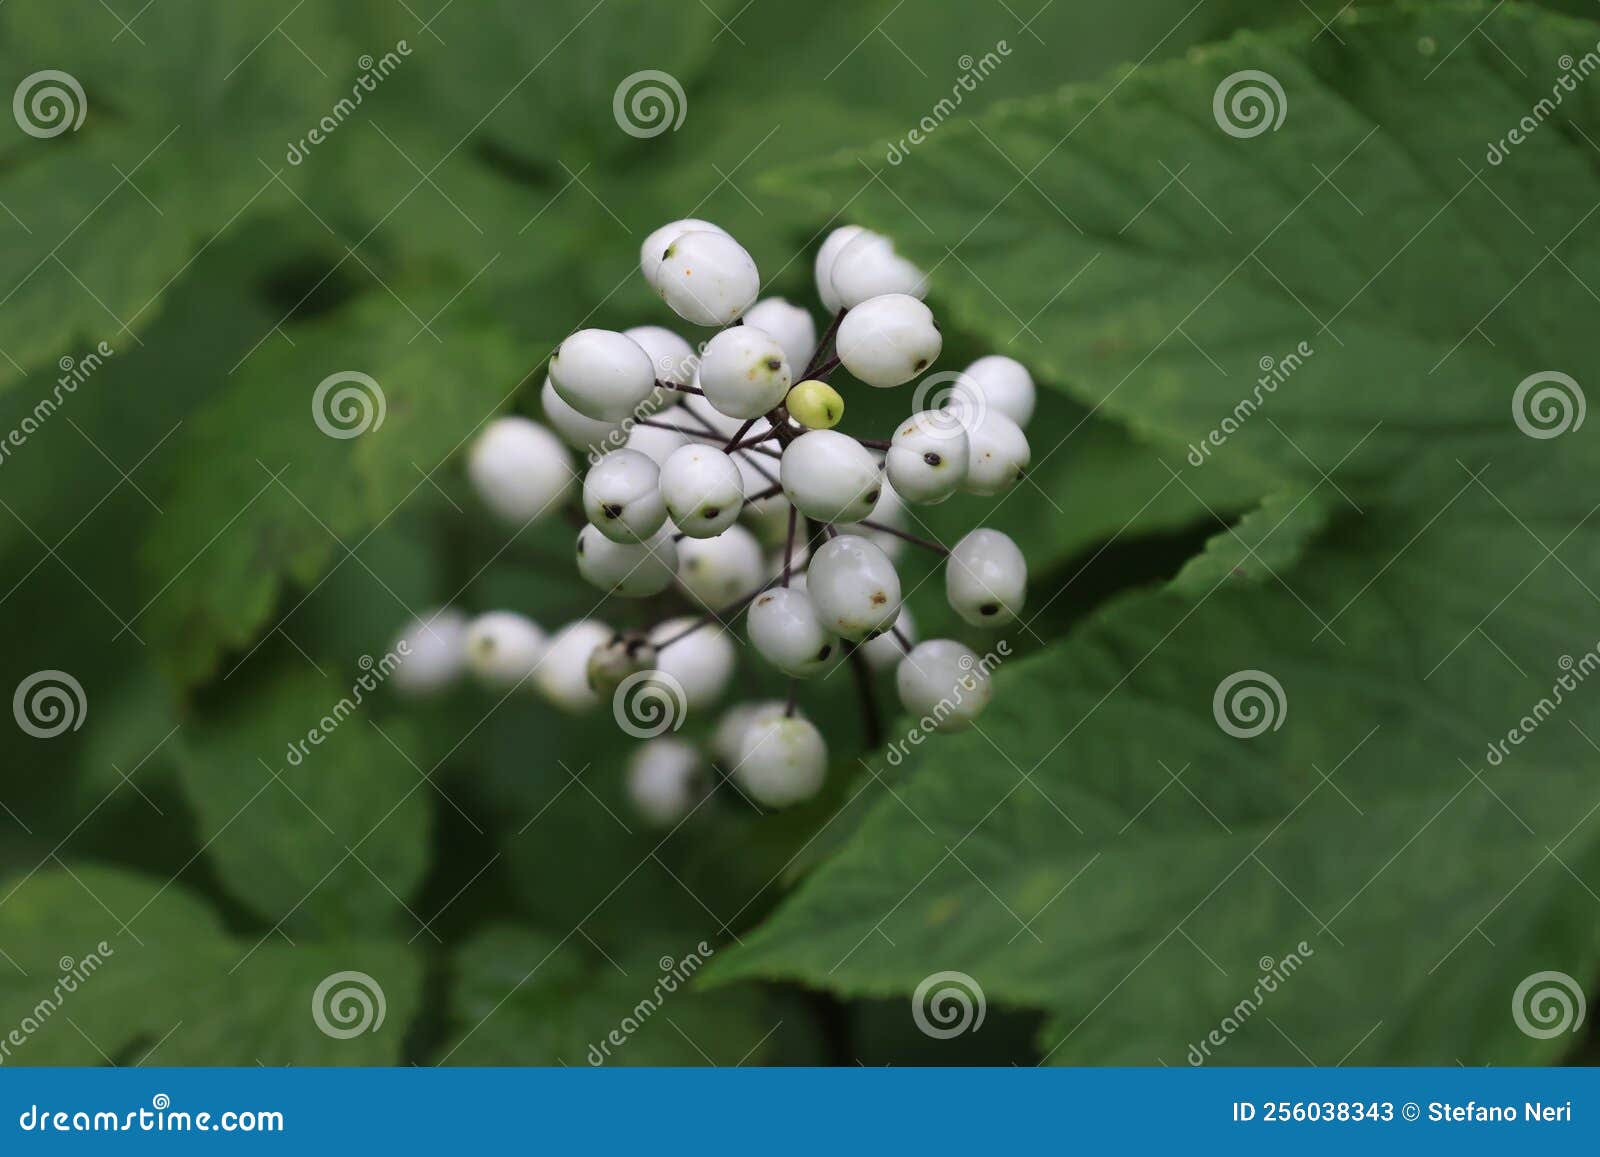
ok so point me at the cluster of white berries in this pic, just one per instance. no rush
(719, 473)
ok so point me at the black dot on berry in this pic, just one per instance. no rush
(611, 510)
(774, 364)
(580, 546)
(922, 364)
(827, 649)
(931, 458)
(989, 609)
(711, 512)
(873, 497)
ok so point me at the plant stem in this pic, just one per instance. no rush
(820, 356)
(738, 436)
(898, 533)
(788, 546)
(872, 725)
(722, 613)
(665, 385)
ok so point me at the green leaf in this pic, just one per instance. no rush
(287, 501)
(313, 811)
(100, 221)
(1114, 845)
(104, 966)
(523, 998)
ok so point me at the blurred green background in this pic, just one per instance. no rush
(181, 539)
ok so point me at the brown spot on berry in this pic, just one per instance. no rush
(711, 512)
(879, 598)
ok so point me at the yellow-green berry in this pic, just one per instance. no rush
(815, 405)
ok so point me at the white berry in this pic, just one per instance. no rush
(831, 477)
(986, 578)
(504, 647)
(886, 650)
(519, 469)
(579, 431)
(890, 512)
(886, 341)
(1006, 386)
(707, 278)
(997, 453)
(854, 587)
(826, 256)
(792, 326)
(703, 490)
(716, 571)
(603, 374)
(665, 780)
(727, 740)
(786, 633)
(869, 267)
(563, 674)
(634, 570)
(432, 650)
(656, 443)
(782, 761)
(744, 372)
(655, 245)
(622, 496)
(672, 357)
(945, 683)
(700, 663)
(927, 458)
(622, 655)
